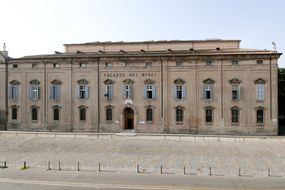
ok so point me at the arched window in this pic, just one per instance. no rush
(56, 113)
(14, 90)
(179, 114)
(179, 89)
(235, 115)
(149, 115)
(54, 91)
(109, 113)
(260, 115)
(235, 88)
(34, 113)
(14, 113)
(209, 114)
(260, 83)
(82, 113)
(82, 89)
(208, 89)
(34, 90)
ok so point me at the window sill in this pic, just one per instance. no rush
(260, 124)
(179, 122)
(208, 123)
(235, 124)
(259, 101)
(35, 121)
(109, 121)
(235, 100)
(149, 122)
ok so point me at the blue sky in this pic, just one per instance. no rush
(42, 26)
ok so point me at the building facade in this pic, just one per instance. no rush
(200, 86)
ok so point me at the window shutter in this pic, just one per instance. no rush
(174, 92)
(183, 92)
(153, 92)
(39, 90)
(87, 91)
(57, 92)
(204, 92)
(16, 92)
(51, 92)
(257, 91)
(145, 92)
(239, 93)
(110, 94)
(131, 92)
(262, 92)
(123, 91)
(10, 92)
(212, 92)
(30, 92)
(78, 92)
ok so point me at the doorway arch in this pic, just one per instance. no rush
(128, 118)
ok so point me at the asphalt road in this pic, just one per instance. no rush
(34, 179)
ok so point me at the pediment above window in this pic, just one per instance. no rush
(109, 106)
(56, 82)
(209, 107)
(180, 107)
(259, 81)
(109, 81)
(179, 81)
(149, 81)
(209, 81)
(35, 106)
(56, 107)
(235, 81)
(82, 81)
(15, 82)
(260, 108)
(128, 81)
(82, 106)
(235, 108)
(150, 107)
(34, 82)
(14, 106)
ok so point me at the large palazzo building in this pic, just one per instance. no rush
(199, 86)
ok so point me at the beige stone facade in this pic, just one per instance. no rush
(202, 86)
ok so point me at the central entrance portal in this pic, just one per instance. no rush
(129, 118)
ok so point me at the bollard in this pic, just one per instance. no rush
(59, 166)
(5, 164)
(138, 169)
(239, 174)
(78, 166)
(184, 170)
(99, 167)
(268, 172)
(161, 169)
(210, 171)
(25, 166)
(48, 165)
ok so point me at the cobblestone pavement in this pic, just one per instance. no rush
(225, 157)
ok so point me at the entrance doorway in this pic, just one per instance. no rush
(129, 118)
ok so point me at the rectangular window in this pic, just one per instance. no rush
(234, 62)
(178, 92)
(209, 115)
(56, 65)
(179, 115)
(54, 92)
(208, 94)
(259, 62)
(13, 92)
(128, 92)
(15, 66)
(259, 92)
(209, 62)
(235, 116)
(82, 64)
(83, 92)
(235, 92)
(35, 92)
(178, 63)
(82, 114)
(149, 89)
(34, 65)
(109, 114)
(259, 116)
(149, 114)
(109, 92)
(148, 64)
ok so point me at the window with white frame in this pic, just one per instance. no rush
(109, 89)
(260, 85)
(82, 89)
(179, 89)
(208, 87)
(127, 90)
(34, 90)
